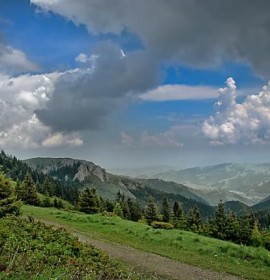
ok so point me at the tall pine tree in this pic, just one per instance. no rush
(8, 198)
(89, 201)
(134, 210)
(151, 212)
(29, 191)
(220, 223)
(194, 219)
(165, 209)
(178, 219)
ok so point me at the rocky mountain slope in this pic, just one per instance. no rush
(67, 168)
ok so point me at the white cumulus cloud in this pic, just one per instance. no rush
(20, 97)
(247, 122)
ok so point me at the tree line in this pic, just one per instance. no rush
(225, 225)
(17, 170)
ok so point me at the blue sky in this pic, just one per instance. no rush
(127, 83)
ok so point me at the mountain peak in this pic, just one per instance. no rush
(73, 169)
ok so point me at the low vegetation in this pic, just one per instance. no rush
(188, 247)
(32, 250)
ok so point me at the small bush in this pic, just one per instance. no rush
(108, 214)
(162, 225)
(50, 254)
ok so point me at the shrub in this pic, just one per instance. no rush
(162, 225)
(50, 254)
(108, 214)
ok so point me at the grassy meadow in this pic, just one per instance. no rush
(248, 262)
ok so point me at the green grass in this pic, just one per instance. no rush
(249, 262)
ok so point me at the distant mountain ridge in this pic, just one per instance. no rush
(243, 183)
(248, 183)
(107, 185)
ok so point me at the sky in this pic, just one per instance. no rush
(129, 84)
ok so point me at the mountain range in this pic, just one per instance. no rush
(248, 183)
(88, 174)
(237, 184)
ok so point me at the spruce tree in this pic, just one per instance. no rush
(178, 219)
(19, 190)
(134, 210)
(194, 219)
(47, 187)
(88, 202)
(165, 209)
(151, 212)
(8, 204)
(233, 227)
(109, 205)
(247, 222)
(126, 210)
(220, 222)
(29, 194)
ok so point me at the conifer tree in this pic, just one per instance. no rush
(89, 202)
(220, 222)
(165, 209)
(233, 227)
(19, 190)
(109, 205)
(134, 210)
(194, 219)
(47, 187)
(247, 222)
(8, 198)
(125, 208)
(175, 208)
(178, 219)
(151, 212)
(29, 193)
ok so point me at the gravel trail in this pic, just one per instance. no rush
(160, 265)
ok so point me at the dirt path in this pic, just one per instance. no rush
(151, 262)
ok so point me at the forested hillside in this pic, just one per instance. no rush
(86, 174)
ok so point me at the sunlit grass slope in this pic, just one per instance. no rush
(252, 263)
